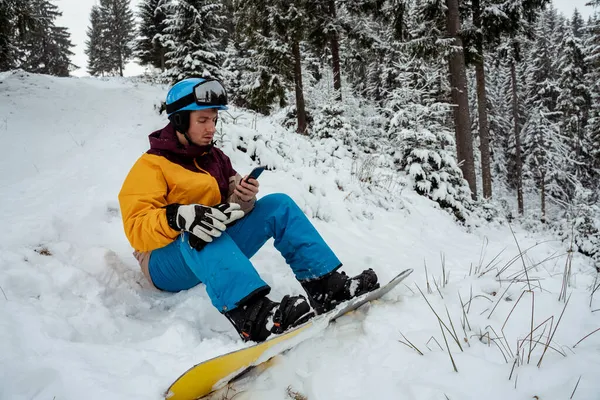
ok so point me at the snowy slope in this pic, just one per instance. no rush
(78, 320)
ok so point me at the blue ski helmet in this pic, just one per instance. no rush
(196, 94)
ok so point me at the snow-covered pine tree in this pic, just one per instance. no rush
(547, 149)
(259, 63)
(274, 30)
(592, 52)
(96, 45)
(574, 101)
(363, 47)
(547, 154)
(228, 23)
(437, 33)
(7, 47)
(118, 23)
(193, 38)
(485, 23)
(60, 61)
(539, 85)
(425, 146)
(514, 92)
(44, 48)
(149, 48)
(323, 34)
(292, 15)
(330, 122)
(580, 224)
(499, 114)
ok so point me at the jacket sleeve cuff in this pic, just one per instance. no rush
(172, 216)
(246, 206)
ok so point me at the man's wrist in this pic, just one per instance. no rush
(172, 216)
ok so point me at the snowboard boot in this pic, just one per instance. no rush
(326, 292)
(260, 317)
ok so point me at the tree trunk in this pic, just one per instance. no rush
(460, 98)
(543, 195)
(300, 109)
(163, 51)
(335, 54)
(484, 133)
(515, 109)
(120, 62)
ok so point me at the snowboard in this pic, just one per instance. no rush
(211, 375)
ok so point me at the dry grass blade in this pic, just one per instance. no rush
(492, 264)
(437, 288)
(292, 394)
(531, 336)
(551, 319)
(444, 277)
(500, 348)
(470, 298)
(464, 313)
(435, 340)
(427, 278)
(505, 344)
(481, 254)
(453, 329)
(566, 276)
(513, 368)
(448, 347)
(577, 384)
(595, 287)
(511, 310)
(536, 341)
(586, 336)
(474, 297)
(515, 258)
(410, 344)
(407, 345)
(439, 319)
(4, 293)
(506, 266)
(489, 340)
(499, 299)
(412, 291)
(553, 332)
(493, 340)
(524, 272)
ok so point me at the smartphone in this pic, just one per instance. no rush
(255, 173)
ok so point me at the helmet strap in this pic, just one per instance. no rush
(181, 122)
(190, 143)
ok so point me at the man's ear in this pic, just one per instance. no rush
(181, 121)
(177, 119)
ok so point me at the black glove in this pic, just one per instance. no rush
(202, 222)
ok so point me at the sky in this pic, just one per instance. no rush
(76, 18)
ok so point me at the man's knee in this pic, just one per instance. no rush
(276, 199)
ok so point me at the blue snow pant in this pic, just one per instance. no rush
(224, 266)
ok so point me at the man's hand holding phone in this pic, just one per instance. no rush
(248, 187)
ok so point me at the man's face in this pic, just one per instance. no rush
(203, 126)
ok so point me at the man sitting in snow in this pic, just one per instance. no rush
(192, 219)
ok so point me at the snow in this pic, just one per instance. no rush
(78, 320)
